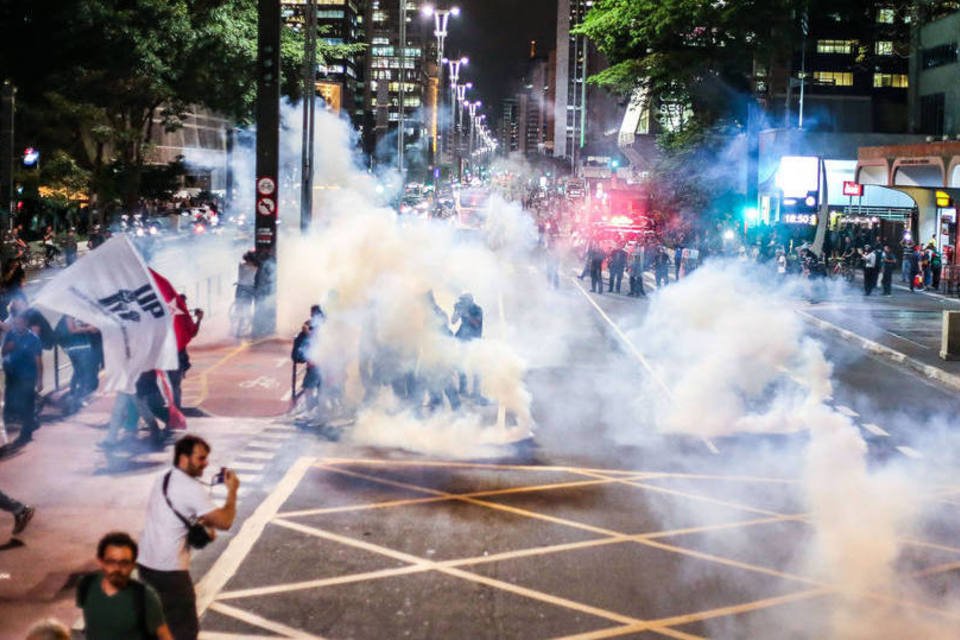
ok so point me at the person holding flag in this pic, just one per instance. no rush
(114, 291)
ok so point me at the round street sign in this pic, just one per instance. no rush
(266, 186)
(266, 206)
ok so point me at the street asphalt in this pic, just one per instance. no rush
(582, 533)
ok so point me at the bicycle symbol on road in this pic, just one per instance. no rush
(263, 382)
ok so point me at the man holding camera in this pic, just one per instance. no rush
(181, 516)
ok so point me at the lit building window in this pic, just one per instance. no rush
(886, 15)
(891, 80)
(883, 48)
(836, 46)
(836, 78)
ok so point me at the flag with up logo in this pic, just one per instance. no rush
(112, 289)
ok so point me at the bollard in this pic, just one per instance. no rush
(950, 336)
(293, 386)
(56, 367)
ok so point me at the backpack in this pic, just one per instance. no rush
(935, 260)
(140, 601)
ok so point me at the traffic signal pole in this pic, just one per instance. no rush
(268, 169)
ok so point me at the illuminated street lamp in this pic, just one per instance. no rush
(453, 69)
(441, 19)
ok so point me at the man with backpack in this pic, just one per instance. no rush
(115, 605)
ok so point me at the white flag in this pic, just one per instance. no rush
(111, 289)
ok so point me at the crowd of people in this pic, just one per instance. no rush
(422, 386)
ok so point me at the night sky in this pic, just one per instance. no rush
(496, 35)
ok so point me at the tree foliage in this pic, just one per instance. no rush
(96, 77)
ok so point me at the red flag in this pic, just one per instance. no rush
(183, 324)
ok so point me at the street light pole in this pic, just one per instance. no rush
(309, 103)
(441, 19)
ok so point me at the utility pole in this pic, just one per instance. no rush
(7, 107)
(268, 169)
(309, 115)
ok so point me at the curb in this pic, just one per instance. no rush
(929, 371)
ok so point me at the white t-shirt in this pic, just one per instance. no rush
(163, 544)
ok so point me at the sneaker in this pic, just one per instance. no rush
(22, 519)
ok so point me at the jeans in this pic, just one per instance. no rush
(10, 505)
(905, 271)
(178, 598)
(616, 279)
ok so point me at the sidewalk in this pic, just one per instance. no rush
(904, 327)
(80, 491)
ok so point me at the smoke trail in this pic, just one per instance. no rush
(736, 359)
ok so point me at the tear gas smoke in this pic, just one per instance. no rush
(735, 356)
(380, 277)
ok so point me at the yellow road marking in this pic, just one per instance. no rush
(473, 494)
(372, 462)
(416, 564)
(574, 470)
(491, 505)
(458, 573)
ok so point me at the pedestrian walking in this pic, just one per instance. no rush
(677, 260)
(179, 513)
(888, 264)
(616, 266)
(114, 604)
(22, 514)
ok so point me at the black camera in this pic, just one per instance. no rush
(219, 477)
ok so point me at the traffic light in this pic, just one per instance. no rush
(614, 164)
(751, 215)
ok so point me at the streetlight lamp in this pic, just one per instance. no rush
(453, 70)
(441, 18)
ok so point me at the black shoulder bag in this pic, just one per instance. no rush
(197, 535)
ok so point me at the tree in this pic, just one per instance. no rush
(111, 71)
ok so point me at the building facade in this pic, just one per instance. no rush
(399, 75)
(848, 74)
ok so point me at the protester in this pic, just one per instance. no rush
(114, 604)
(22, 514)
(23, 369)
(470, 316)
(312, 380)
(178, 499)
(936, 268)
(74, 337)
